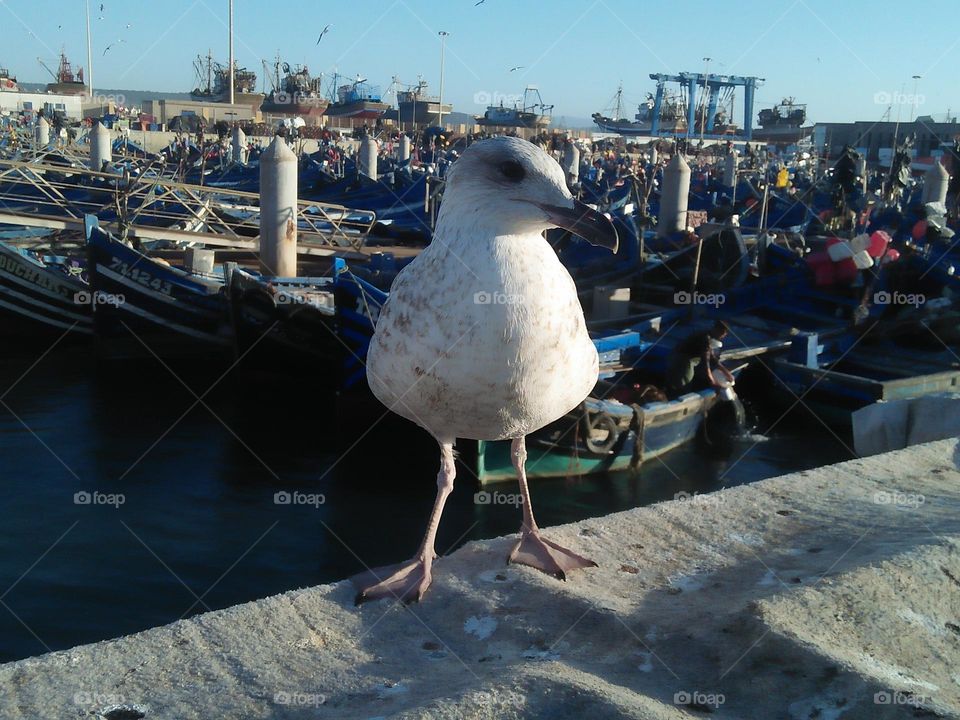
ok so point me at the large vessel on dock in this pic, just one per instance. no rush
(415, 105)
(783, 122)
(65, 80)
(672, 116)
(296, 93)
(357, 101)
(7, 82)
(213, 82)
(531, 114)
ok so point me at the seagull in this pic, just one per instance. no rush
(483, 336)
(518, 67)
(101, 7)
(322, 33)
(479, 3)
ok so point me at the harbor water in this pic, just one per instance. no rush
(136, 495)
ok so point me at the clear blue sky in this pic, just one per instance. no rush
(835, 55)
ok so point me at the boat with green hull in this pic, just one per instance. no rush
(600, 436)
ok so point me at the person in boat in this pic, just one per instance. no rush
(695, 365)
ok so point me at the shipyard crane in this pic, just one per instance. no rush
(47, 68)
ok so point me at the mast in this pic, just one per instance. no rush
(231, 51)
(89, 55)
(618, 111)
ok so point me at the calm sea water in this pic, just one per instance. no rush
(198, 527)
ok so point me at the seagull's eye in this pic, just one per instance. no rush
(512, 170)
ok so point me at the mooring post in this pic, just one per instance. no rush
(278, 210)
(42, 133)
(239, 146)
(368, 157)
(673, 200)
(100, 150)
(936, 181)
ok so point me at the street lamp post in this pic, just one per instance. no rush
(913, 103)
(443, 40)
(703, 113)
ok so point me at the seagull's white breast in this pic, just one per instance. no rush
(482, 339)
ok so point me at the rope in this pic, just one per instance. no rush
(639, 428)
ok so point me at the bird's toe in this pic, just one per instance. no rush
(547, 556)
(406, 582)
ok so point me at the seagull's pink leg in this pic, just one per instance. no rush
(532, 549)
(409, 581)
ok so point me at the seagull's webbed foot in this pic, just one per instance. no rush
(547, 556)
(407, 582)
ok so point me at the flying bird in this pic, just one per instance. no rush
(483, 337)
(518, 67)
(479, 3)
(322, 33)
(101, 7)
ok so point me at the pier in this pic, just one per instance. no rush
(828, 593)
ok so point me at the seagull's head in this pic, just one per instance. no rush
(516, 186)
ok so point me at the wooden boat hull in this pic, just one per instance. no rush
(148, 308)
(274, 329)
(834, 393)
(37, 300)
(558, 451)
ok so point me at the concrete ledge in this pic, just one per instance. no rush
(824, 594)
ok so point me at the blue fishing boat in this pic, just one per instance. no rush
(605, 433)
(285, 323)
(146, 306)
(841, 375)
(43, 294)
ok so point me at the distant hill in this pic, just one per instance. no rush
(128, 98)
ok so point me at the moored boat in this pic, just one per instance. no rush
(296, 93)
(149, 307)
(357, 101)
(43, 293)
